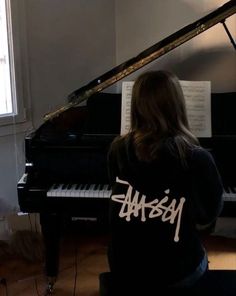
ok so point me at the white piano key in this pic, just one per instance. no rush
(68, 190)
(107, 191)
(89, 190)
(229, 194)
(54, 189)
(62, 190)
(96, 190)
(74, 191)
(100, 190)
(82, 191)
(104, 189)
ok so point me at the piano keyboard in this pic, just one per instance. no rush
(104, 191)
(229, 194)
(80, 190)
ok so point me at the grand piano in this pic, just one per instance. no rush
(65, 172)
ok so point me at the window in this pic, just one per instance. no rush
(13, 71)
(7, 104)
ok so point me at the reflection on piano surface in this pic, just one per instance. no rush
(66, 171)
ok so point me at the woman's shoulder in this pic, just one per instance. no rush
(199, 151)
(201, 156)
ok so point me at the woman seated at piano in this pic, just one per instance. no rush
(163, 186)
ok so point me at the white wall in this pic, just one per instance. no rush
(209, 56)
(69, 43)
(11, 165)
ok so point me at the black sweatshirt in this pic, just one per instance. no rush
(154, 210)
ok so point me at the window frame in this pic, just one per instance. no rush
(19, 70)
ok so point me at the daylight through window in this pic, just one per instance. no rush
(6, 94)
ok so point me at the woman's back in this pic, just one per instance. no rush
(152, 216)
(163, 185)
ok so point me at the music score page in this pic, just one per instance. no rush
(197, 96)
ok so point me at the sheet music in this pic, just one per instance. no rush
(198, 104)
(126, 106)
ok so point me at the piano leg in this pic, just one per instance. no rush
(51, 226)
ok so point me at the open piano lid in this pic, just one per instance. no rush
(69, 123)
(148, 55)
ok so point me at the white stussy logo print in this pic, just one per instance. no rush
(132, 205)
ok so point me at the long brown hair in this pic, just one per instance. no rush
(158, 113)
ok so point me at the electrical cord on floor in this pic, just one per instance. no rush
(36, 287)
(3, 282)
(35, 223)
(76, 267)
(30, 222)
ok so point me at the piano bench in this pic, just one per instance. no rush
(215, 282)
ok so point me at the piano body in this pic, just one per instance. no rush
(66, 173)
(67, 166)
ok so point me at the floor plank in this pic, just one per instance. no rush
(83, 258)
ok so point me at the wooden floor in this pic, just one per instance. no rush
(83, 258)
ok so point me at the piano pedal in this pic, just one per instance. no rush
(50, 288)
(49, 291)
